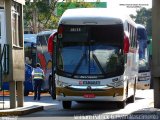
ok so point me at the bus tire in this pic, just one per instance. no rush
(52, 90)
(132, 98)
(121, 104)
(67, 104)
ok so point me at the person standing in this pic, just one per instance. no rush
(38, 77)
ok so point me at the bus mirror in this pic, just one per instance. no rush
(51, 41)
(60, 31)
(126, 44)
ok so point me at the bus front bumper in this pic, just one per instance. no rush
(90, 94)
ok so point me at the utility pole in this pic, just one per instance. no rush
(156, 51)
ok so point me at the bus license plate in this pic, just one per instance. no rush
(89, 96)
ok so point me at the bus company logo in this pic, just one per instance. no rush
(88, 77)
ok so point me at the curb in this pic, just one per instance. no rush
(21, 111)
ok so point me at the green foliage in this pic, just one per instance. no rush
(43, 7)
(62, 6)
(144, 16)
(39, 15)
(28, 13)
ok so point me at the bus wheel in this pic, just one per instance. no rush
(121, 104)
(67, 104)
(52, 89)
(52, 93)
(131, 99)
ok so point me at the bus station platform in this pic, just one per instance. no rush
(21, 110)
(30, 105)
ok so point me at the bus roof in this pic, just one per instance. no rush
(140, 26)
(46, 32)
(91, 16)
(30, 38)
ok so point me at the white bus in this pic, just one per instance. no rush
(96, 57)
(144, 77)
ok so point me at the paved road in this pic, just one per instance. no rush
(102, 110)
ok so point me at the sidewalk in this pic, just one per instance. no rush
(30, 105)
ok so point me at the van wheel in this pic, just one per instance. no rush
(67, 104)
(121, 104)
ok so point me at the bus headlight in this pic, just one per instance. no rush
(62, 84)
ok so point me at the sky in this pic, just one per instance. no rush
(127, 6)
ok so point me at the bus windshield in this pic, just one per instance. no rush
(30, 49)
(91, 51)
(143, 53)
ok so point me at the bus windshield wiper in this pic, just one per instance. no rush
(97, 62)
(78, 65)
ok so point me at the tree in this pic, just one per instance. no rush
(61, 7)
(144, 16)
(40, 14)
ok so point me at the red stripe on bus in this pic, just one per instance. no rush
(42, 60)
